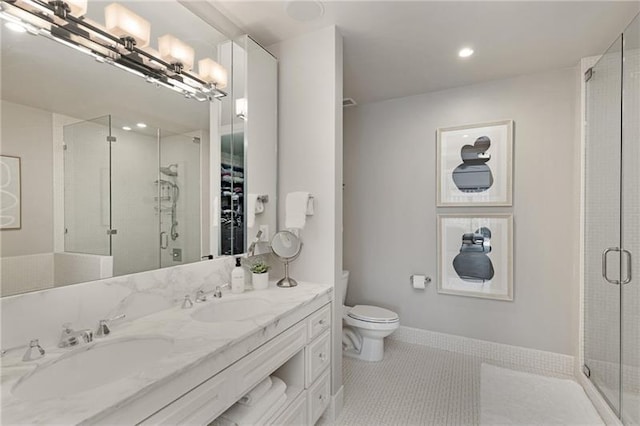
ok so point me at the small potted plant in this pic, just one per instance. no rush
(260, 275)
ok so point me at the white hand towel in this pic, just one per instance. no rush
(243, 415)
(298, 205)
(256, 393)
(252, 199)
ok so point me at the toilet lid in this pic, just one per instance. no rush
(372, 314)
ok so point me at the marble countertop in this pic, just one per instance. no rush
(196, 344)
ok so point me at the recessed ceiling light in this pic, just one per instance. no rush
(304, 10)
(465, 136)
(465, 52)
(14, 26)
(141, 125)
(127, 128)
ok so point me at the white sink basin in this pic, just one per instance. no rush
(91, 366)
(232, 310)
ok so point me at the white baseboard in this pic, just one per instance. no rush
(607, 414)
(515, 355)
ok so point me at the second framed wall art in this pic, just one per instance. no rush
(474, 165)
(475, 255)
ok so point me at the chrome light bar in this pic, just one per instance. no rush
(52, 21)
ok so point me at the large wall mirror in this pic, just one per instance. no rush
(120, 173)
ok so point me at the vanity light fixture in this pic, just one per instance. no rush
(141, 125)
(126, 25)
(465, 52)
(65, 8)
(176, 52)
(212, 72)
(123, 43)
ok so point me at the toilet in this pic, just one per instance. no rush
(365, 327)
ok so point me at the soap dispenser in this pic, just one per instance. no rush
(237, 277)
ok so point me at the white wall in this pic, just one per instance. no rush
(26, 132)
(390, 213)
(309, 156)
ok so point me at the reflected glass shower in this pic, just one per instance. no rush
(612, 225)
(132, 193)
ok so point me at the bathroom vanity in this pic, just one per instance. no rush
(202, 360)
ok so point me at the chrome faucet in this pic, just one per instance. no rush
(252, 247)
(71, 337)
(103, 326)
(34, 351)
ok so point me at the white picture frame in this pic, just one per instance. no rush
(474, 165)
(480, 265)
(10, 193)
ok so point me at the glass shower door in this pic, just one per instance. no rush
(602, 254)
(87, 180)
(630, 409)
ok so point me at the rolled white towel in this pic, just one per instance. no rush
(256, 393)
(272, 410)
(243, 415)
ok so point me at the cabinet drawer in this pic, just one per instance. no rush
(318, 357)
(198, 406)
(319, 321)
(296, 413)
(318, 398)
(265, 360)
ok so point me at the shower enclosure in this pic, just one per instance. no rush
(612, 225)
(133, 193)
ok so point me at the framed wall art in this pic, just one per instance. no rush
(10, 193)
(474, 165)
(475, 255)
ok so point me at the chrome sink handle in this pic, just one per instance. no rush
(29, 354)
(187, 303)
(34, 351)
(103, 325)
(218, 291)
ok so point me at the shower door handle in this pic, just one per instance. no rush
(627, 280)
(164, 240)
(604, 265)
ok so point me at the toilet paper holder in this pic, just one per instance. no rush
(419, 282)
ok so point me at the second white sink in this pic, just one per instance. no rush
(232, 310)
(91, 366)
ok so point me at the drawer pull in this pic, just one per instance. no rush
(322, 322)
(322, 356)
(320, 397)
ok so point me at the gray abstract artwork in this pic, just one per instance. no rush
(474, 175)
(472, 263)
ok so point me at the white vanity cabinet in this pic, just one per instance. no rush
(299, 355)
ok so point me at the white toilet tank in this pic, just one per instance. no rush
(345, 283)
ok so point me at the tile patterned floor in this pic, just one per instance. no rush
(414, 385)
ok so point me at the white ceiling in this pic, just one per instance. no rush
(396, 48)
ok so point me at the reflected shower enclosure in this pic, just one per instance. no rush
(132, 193)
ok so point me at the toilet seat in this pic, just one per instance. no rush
(373, 314)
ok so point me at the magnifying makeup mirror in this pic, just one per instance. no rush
(286, 247)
